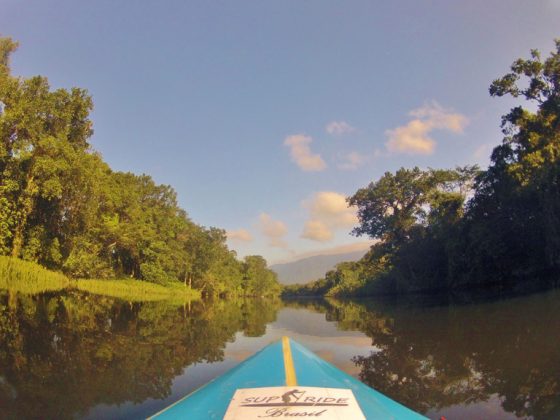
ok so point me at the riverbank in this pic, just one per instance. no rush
(136, 290)
(29, 278)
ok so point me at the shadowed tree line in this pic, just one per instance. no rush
(467, 228)
(63, 207)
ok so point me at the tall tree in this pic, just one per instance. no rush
(62, 206)
(515, 213)
(42, 133)
(390, 208)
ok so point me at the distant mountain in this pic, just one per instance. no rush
(312, 268)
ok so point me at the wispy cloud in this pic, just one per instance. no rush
(338, 128)
(274, 230)
(302, 155)
(328, 211)
(352, 161)
(239, 235)
(414, 137)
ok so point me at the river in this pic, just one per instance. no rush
(74, 355)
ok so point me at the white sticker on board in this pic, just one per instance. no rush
(293, 401)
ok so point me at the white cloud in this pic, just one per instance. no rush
(328, 211)
(274, 230)
(317, 230)
(332, 207)
(352, 161)
(338, 128)
(240, 235)
(413, 138)
(301, 154)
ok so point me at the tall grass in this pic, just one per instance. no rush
(29, 278)
(136, 290)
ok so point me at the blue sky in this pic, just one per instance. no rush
(264, 115)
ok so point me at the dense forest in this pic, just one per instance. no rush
(467, 228)
(63, 207)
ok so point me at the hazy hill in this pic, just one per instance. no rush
(312, 268)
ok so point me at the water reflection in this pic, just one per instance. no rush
(69, 355)
(61, 355)
(433, 358)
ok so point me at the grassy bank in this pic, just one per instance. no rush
(30, 278)
(136, 290)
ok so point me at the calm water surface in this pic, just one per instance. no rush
(74, 355)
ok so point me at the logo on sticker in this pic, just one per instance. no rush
(274, 402)
(294, 398)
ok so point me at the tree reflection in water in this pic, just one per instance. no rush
(62, 354)
(432, 357)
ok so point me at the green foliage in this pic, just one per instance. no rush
(414, 214)
(28, 278)
(7, 47)
(153, 273)
(390, 207)
(514, 218)
(507, 235)
(258, 280)
(84, 261)
(64, 208)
